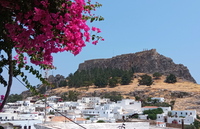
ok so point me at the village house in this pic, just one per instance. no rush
(159, 99)
(87, 110)
(188, 117)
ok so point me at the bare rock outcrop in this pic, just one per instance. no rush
(149, 61)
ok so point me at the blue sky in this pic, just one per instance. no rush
(170, 26)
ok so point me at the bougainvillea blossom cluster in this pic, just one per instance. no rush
(41, 30)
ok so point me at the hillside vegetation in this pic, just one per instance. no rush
(184, 94)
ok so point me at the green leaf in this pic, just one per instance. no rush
(93, 37)
(92, 19)
(27, 67)
(22, 74)
(23, 79)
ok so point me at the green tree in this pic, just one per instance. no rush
(137, 98)
(171, 79)
(62, 83)
(71, 95)
(113, 96)
(169, 113)
(100, 77)
(100, 121)
(157, 75)
(152, 116)
(146, 80)
(152, 113)
(64, 96)
(101, 82)
(14, 97)
(126, 79)
(113, 82)
(149, 99)
(196, 123)
(87, 83)
(134, 116)
(52, 112)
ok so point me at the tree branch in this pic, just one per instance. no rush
(10, 79)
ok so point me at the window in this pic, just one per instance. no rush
(190, 113)
(186, 113)
(181, 113)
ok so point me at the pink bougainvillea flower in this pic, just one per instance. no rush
(41, 31)
(94, 28)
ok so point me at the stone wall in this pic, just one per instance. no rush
(128, 125)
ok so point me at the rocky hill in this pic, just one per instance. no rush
(185, 93)
(149, 61)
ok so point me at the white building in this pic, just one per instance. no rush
(25, 124)
(188, 116)
(107, 113)
(24, 120)
(8, 116)
(160, 124)
(159, 99)
(128, 125)
(143, 117)
(161, 117)
(93, 107)
(130, 105)
(117, 110)
(166, 110)
(184, 113)
(53, 99)
(19, 106)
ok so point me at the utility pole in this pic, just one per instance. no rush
(45, 109)
(182, 122)
(45, 102)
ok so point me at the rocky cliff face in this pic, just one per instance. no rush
(149, 61)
